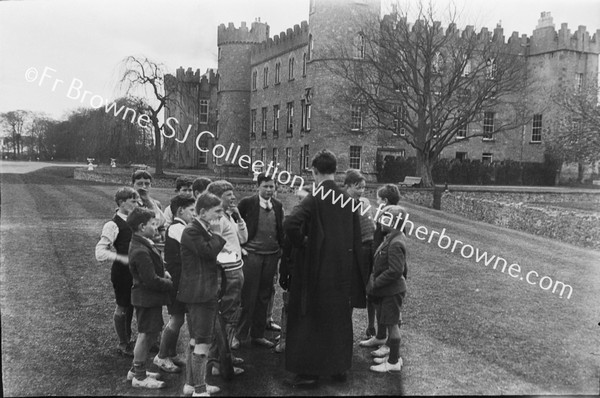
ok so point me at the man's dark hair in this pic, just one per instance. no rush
(139, 174)
(200, 184)
(389, 192)
(353, 176)
(125, 193)
(180, 201)
(207, 201)
(183, 181)
(325, 162)
(219, 187)
(263, 177)
(138, 216)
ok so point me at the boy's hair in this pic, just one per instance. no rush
(389, 192)
(263, 177)
(325, 162)
(207, 201)
(180, 201)
(139, 215)
(353, 176)
(139, 174)
(183, 181)
(219, 187)
(200, 184)
(125, 193)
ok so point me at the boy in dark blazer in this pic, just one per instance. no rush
(387, 286)
(150, 291)
(199, 284)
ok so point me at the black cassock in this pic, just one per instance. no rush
(327, 281)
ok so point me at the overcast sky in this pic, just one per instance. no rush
(87, 39)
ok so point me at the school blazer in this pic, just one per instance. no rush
(200, 274)
(249, 208)
(150, 286)
(389, 267)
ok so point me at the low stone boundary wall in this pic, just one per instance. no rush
(508, 209)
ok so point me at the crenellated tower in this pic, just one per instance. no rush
(233, 95)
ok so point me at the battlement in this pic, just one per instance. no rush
(281, 43)
(545, 38)
(229, 34)
(183, 76)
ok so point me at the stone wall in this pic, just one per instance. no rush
(516, 211)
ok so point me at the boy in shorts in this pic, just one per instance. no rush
(183, 187)
(387, 286)
(199, 286)
(389, 194)
(114, 246)
(183, 209)
(150, 291)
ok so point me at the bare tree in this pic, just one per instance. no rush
(425, 85)
(142, 73)
(575, 133)
(15, 121)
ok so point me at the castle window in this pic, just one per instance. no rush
(578, 81)
(437, 63)
(264, 122)
(218, 82)
(488, 126)
(359, 46)
(461, 132)
(203, 112)
(263, 155)
(219, 53)
(291, 69)
(253, 123)
(202, 156)
(290, 117)
(357, 117)
(304, 65)
(355, 157)
(252, 155)
(288, 159)
(306, 110)
(467, 69)
(536, 130)
(461, 156)
(277, 72)
(491, 68)
(310, 47)
(400, 115)
(304, 158)
(275, 155)
(254, 79)
(217, 124)
(275, 121)
(266, 77)
(486, 158)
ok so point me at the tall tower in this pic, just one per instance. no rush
(233, 98)
(336, 24)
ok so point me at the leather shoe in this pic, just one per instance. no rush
(263, 342)
(302, 381)
(272, 326)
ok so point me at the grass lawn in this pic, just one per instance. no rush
(467, 329)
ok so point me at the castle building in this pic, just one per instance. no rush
(276, 99)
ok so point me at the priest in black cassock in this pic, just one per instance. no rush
(327, 280)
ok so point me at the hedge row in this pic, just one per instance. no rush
(474, 172)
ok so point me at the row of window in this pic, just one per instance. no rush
(488, 128)
(291, 73)
(304, 157)
(305, 107)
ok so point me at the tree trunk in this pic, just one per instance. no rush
(580, 170)
(424, 166)
(157, 149)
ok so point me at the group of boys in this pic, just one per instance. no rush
(202, 232)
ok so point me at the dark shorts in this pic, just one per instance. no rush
(122, 281)
(176, 308)
(388, 309)
(149, 320)
(201, 317)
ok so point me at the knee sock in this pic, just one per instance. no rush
(168, 342)
(121, 328)
(129, 315)
(139, 368)
(394, 345)
(199, 369)
(189, 374)
(381, 332)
